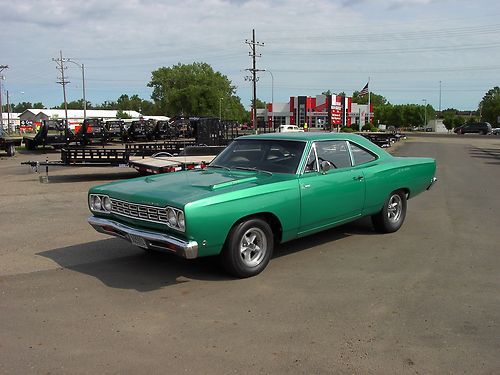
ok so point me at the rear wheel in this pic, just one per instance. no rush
(392, 215)
(248, 248)
(11, 150)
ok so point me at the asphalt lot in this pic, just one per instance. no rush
(422, 300)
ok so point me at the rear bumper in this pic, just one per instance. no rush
(433, 181)
(152, 240)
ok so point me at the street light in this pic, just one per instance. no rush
(82, 67)
(425, 112)
(220, 111)
(272, 96)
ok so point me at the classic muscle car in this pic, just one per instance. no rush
(259, 191)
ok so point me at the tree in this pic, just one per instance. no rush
(489, 107)
(195, 89)
(375, 99)
(259, 104)
(123, 115)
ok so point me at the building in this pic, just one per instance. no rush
(320, 112)
(10, 121)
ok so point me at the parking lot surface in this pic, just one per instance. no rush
(422, 300)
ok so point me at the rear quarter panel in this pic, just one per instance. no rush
(411, 174)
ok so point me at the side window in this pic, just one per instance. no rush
(311, 165)
(335, 152)
(360, 155)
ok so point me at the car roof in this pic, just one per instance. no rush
(306, 136)
(321, 136)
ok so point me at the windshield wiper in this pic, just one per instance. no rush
(254, 170)
(219, 166)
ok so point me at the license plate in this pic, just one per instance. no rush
(138, 241)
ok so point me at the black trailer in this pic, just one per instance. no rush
(51, 133)
(8, 142)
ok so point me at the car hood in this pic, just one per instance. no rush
(179, 188)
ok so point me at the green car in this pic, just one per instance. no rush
(260, 191)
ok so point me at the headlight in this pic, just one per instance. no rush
(95, 203)
(100, 203)
(172, 217)
(106, 203)
(180, 220)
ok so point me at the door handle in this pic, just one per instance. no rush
(358, 178)
(306, 186)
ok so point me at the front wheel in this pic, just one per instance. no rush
(248, 248)
(392, 215)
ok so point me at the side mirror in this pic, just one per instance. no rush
(325, 166)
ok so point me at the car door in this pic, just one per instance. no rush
(332, 196)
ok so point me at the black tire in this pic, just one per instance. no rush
(248, 248)
(11, 149)
(392, 215)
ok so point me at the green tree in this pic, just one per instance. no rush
(259, 104)
(375, 99)
(195, 89)
(121, 114)
(489, 107)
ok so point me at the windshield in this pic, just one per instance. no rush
(277, 156)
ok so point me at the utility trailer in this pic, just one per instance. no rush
(51, 133)
(8, 142)
(193, 157)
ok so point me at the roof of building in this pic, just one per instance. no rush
(78, 113)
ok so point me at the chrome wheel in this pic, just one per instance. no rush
(253, 247)
(394, 208)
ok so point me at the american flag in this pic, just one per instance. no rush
(364, 91)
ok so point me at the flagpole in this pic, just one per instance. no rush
(369, 112)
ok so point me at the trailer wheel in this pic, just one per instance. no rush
(11, 149)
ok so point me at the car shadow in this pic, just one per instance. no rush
(362, 226)
(118, 264)
(121, 265)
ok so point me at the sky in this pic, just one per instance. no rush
(407, 49)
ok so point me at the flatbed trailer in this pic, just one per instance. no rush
(8, 143)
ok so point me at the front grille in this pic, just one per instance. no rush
(139, 211)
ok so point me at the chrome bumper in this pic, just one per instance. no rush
(152, 240)
(433, 181)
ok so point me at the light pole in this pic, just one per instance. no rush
(272, 96)
(425, 112)
(82, 67)
(2, 67)
(220, 111)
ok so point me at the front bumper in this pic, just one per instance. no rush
(152, 240)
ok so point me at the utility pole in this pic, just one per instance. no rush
(62, 81)
(2, 68)
(253, 70)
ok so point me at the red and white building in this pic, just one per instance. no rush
(323, 111)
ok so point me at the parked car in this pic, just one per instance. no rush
(262, 190)
(476, 127)
(495, 131)
(290, 128)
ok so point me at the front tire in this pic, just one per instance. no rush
(248, 249)
(392, 215)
